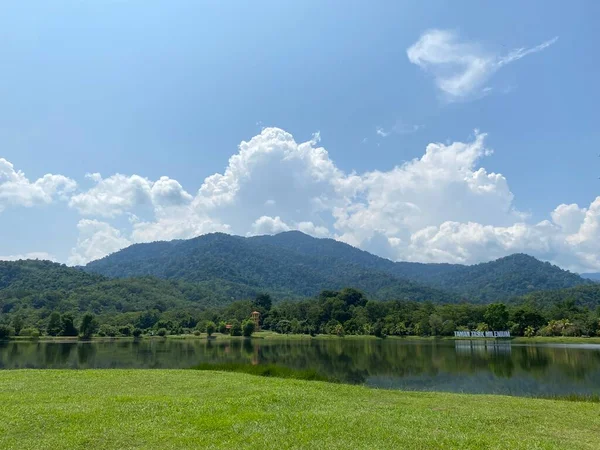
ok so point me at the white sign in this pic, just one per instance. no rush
(483, 334)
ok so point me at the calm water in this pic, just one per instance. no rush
(453, 366)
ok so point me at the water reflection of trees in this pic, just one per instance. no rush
(348, 360)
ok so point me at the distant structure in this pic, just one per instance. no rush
(256, 319)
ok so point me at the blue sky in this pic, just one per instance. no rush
(153, 89)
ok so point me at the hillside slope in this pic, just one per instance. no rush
(37, 288)
(293, 264)
(220, 258)
(512, 275)
(585, 296)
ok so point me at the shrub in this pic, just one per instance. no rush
(107, 330)
(6, 331)
(558, 328)
(482, 327)
(196, 332)
(248, 328)
(448, 328)
(529, 331)
(236, 328)
(33, 333)
(283, 326)
(136, 332)
(126, 330)
(162, 332)
(210, 328)
(378, 330)
(222, 327)
(571, 330)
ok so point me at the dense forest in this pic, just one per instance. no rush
(39, 297)
(293, 265)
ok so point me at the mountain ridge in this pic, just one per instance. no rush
(281, 271)
(294, 264)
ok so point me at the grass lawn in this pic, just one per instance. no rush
(121, 409)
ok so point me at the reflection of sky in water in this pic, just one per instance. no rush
(474, 366)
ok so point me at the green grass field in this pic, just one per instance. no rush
(124, 409)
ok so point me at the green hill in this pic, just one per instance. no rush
(261, 266)
(582, 296)
(293, 264)
(36, 288)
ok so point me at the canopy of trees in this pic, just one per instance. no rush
(292, 265)
(40, 297)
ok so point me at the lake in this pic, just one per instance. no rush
(497, 367)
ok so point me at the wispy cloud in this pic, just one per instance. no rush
(381, 132)
(461, 68)
(398, 128)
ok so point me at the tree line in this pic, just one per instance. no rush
(347, 311)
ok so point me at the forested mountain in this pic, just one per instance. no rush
(220, 258)
(34, 289)
(43, 275)
(33, 292)
(587, 296)
(512, 275)
(293, 264)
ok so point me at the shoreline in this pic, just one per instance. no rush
(269, 335)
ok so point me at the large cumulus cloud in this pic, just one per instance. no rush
(441, 207)
(17, 190)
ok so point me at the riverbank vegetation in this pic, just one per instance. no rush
(337, 313)
(112, 409)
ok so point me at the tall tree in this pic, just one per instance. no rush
(17, 324)
(496, 316)
(67, 325)
(54, 326)
(263, 301)
(89, 325)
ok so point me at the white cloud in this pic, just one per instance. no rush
(113, 195)
(460, 68)
(176, 223)
(271, 171)
(467, 242)
(313, 230)
(96, 240)
(32, 255)
(168, 192)
(17, 190)
(381, 132)
(118, 194)
(568, 217)
(398, 128)
(273, 225)
(441, 207)
(268, 225)
(445, 184)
